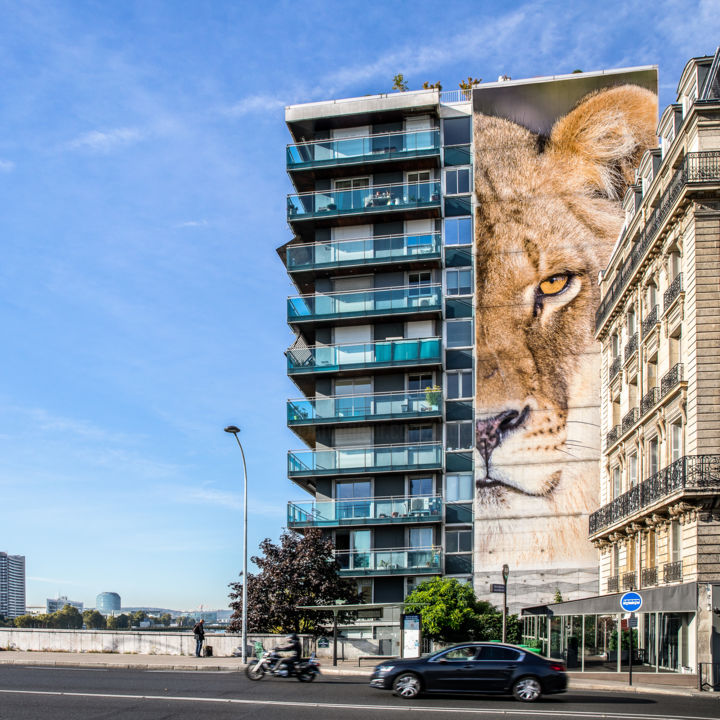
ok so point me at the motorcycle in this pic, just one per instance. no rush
(272, 663)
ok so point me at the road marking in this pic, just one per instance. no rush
(524, 712)
(74, 669)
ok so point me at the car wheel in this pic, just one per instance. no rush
(527, 689)
(254, 672)
(407, 685)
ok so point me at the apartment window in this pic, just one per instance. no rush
(674, 264)
(458, 541)
(458, 231)
(651, 296)
(631, 323)
(417, 383)
(459, 333)
(459, 282)
(418, 177)
(676, 441)
(459, 488)
(420, 537)
(675, 541)
(352, 184)
(459, 435)
(456, 131)
(616, 485)
(420, 486)
(633, 469)
(616, 559)
(457, 181)
(459, 384)
(420, 433)
(653, 456)
(364, 589)
(615, 345)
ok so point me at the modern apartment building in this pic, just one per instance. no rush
(429, 448)
(658, 525)
(12, 585)
(54, 604)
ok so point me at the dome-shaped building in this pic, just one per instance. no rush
(108, 602)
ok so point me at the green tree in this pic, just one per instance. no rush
(94, 620)
(185, 621)
(449, 609)
(558, 596)
(69, 618)
(431, 86)
(165, 619)
(122, 621)
(111, 622)
(137, 617)
(399, 83)
(28, 621)
(300, 570)
(467, 85)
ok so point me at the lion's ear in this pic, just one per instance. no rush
(605, 136)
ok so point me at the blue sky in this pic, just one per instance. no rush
(142, 303)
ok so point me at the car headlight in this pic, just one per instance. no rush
(385, 668)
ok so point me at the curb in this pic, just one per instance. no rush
(642, 690)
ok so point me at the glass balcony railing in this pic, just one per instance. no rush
(378, 458)
(359, 511)
(367, 148)
(390, 562)
(361, 303)
(360, 356)
(379, 198)
(363, 251)
(349, 408)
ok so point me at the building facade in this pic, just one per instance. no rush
(446, 433)
(657, 527)
(108, 603)
(55, 604)
(12, 585)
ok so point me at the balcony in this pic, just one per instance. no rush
(363, 356)
(416, 299)
(672, 292)
(650, 321)
(396, 249)
(615, 366)
(629, 580)
(672, 378)
(612, 436)
(355, 460)
(649, 400)
(401, 561)
(613, 584)
(697, 168)
(631, 347)
(364, 408)
(692, 475)
(368, 511)
(649, 577)
(673, 572)
(359, 201)
(629, 420)
(363, 149)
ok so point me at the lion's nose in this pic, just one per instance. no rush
(489, 432)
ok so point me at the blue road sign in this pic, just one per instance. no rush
(631, 602)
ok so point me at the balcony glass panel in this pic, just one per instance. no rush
(360, 511)
(390, 562)
(424, 456)
(379, 198)
(386, 301)
(369, 250)
(372, 148)
(310, 411)
(387, 353)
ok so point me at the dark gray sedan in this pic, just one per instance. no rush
(473, 668)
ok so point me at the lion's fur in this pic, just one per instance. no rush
(544, 210)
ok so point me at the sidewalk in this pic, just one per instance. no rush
(344, 667)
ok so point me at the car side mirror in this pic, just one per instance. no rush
(443, 661)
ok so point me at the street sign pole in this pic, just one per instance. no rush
(630, 602)
(505, 574)
(630, 626)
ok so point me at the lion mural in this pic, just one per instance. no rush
(548, 214)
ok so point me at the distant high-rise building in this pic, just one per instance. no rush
(12, 585)
(108, 602)
(54, 604)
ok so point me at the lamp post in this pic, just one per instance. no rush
(505, 575)
(233, 430)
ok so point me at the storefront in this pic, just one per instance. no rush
(593, 634)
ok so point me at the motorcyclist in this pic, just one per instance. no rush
(294, 648)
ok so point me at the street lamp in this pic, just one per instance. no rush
(233, 430)
(505, 575)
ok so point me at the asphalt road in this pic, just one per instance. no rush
(34, 693)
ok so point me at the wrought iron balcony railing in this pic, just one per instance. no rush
(613, 584)
(650, 321)
(671, 379)
(629, 580)
(615, 367)
(630, 419)
(649, 400)
(612, 436)
(649, 576)
(699, 167)
(631, 346)
(673, 571)
(672, 292)
(692, 473)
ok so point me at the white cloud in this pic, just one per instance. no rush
(7, 166)
(52, 581)
(192, 224)
(255, 103)
(104, 141)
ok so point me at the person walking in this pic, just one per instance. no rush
(199, 632)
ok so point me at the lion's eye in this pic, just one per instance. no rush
(554, 284)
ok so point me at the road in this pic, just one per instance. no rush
(34, 693)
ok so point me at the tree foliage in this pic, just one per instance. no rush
(468, 84)
(300, 570)
(399, 83)
(431, 86)
(451, 612)
(94, 620)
